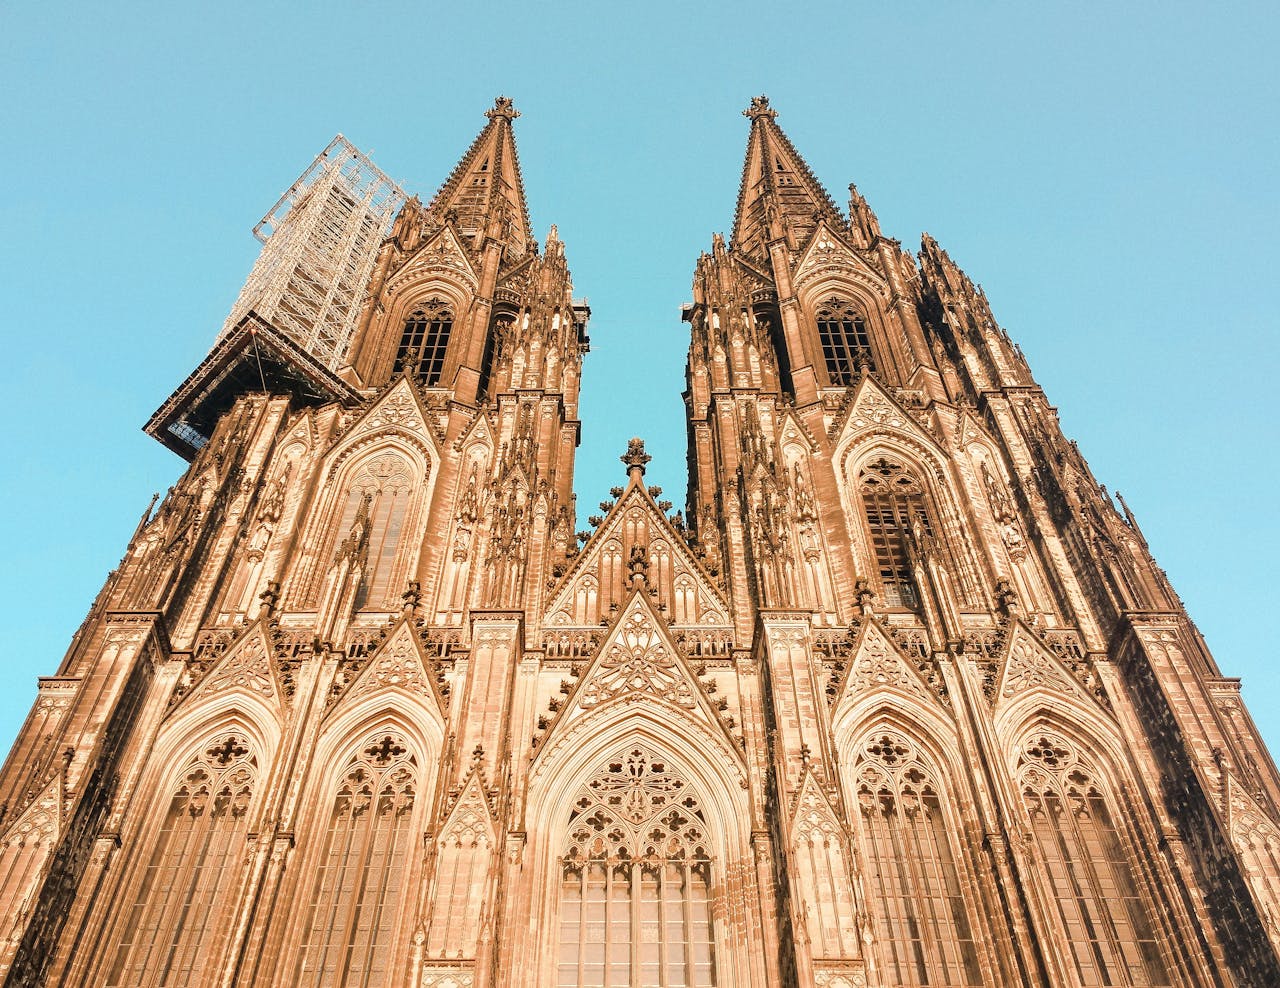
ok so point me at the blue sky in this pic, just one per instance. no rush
(1108, 172)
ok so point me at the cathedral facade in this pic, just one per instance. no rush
(898, 698)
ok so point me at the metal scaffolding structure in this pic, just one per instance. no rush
(320, 242)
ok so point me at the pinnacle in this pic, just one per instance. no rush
(502, 107)
(760, 108)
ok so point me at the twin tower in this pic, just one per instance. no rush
(900, 697)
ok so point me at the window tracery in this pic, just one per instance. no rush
(635, 898)
(893, 502)
(167, 934)
(349, 919)
(846, 344)
(424, 340)
(387, 482)
(1106, 918)
(922, 924)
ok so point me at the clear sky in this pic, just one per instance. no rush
(1108, 172)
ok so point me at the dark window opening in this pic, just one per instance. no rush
(894, 504)
(846, 345)
(771, 326)
(424, 341)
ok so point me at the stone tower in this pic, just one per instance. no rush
(899, 699)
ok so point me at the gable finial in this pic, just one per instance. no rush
(759, 108)
(503, 107)
(635, 458)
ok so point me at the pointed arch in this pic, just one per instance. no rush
(369, 789)
(563, 813)
(1087, 845)
(189, 866)
(891, 535)
(904, 808)
(382, 485)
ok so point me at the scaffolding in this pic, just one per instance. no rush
(320, 242)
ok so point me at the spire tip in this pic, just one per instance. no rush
(759, 108)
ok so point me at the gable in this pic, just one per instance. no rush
(245, 667)
(876, 665)
(874, 411)
(601, 575)
(441, 254)
(398, 666)
(1030, 666)
(639, 661)
(827, 254)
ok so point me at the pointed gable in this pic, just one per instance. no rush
(812, 811)
(470, 819)
(828, 253)
(245, 667)
(484, 194)
(639, 660)
(399, 665)
(398, 409)
(600, 575)
(779, 195)
(40, 821)
(874, 410)
(876, 665)
(440, 254)
(1030, 665)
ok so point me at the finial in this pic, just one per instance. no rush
(635, 457)
(502, 107)
(759, 108)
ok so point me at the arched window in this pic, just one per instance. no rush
(349, 918)
(424, 341)
(635, 896)
(386, 481)
(922, 925)
(896, 520)
(1111, 938)
(846, 345)
(168, 927)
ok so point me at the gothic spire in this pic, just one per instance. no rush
(779, 195)
(484, 194)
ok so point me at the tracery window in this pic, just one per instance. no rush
(922, 925)
(168, 929)
(350, 915)
(846, 344)
(424, 341)
(894, 504)
(1107, 920)
(387, 482)
(635, 896)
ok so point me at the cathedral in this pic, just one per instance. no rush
(898, 697)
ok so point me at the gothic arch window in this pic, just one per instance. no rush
(424, 340)
(377, 498)
(635, 893)
(894, 506)
(349, 916)
(167, 931)
(922, 925)
(846, 344)
(1108, 922)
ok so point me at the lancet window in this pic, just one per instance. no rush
(635, 895)
(349, 918)
(922, 926)
(1107, 920)
(376, 505)
(168, 934)
(897, 522)
(846, 344)
(424, 341)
